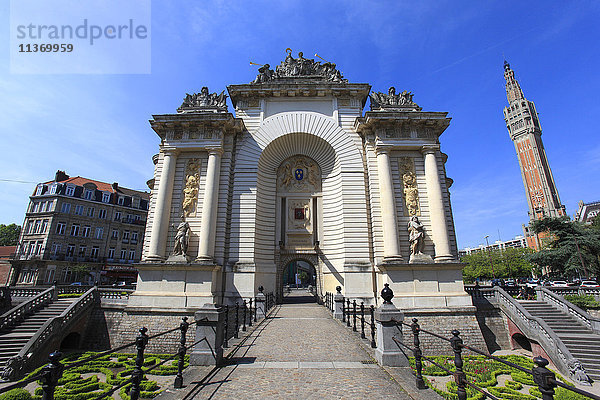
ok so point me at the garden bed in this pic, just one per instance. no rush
(495, 377)
(99, 376)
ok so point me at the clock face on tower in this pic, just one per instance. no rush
(537, 197)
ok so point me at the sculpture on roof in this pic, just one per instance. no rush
(392, 100)
(204, 102)
(299, 67)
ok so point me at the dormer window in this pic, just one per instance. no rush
(121, 200)
(70, 190)
(105, 197)
(39, 190)
(89, 194)
(53, 188)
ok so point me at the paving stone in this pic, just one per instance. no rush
(300, 353)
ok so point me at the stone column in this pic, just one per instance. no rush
(387, 319)
(437, 211)
(391, 248)
(160, 224)
(210, 324)
(206, 248)
(261, 305)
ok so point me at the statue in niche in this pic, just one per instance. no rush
(190, 191)
(416, 236)
(181, 239)
(409, 187)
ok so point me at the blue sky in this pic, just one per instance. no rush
(448, 53)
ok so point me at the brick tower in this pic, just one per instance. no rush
(525, 131)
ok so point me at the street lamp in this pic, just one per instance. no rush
(490, 255)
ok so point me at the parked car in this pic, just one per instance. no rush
(559, 284)
(76, 284)
(498, 282)
(511, 283)
(589, 284)
(532, 283)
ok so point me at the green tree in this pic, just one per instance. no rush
(9, 234)
(572, 248)
(507, 263)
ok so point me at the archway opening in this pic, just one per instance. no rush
(71, 341)
(299, 282)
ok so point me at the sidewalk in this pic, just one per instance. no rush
(300, 352)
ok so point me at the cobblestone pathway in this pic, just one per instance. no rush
(300, 352)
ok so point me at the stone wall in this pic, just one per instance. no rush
(114, 326)
(493, 325)
(442, 322)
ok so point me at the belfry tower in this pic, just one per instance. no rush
(525, 131)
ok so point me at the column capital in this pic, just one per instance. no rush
(170, 151)
(218, 151)
(430, 148)
(382, 148)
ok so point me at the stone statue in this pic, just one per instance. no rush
(190, 191)
(409, 187)
(578, 373)
(391, 100)
(181, 239)
(204, 101)
(416, 236)
(299, 67)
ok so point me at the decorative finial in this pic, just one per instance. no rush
(506, 65)
(387, 294)
(261, 289)
(338, 289)
(289, 51)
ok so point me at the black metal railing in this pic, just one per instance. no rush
(544, 378)
(355, 315)
(54, 370)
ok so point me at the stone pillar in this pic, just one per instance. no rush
(210, 324)
(338, 301)
(206, 248)
(391, 248)
(260, 304)
(387, 351)
(437, 212)
(160, 224)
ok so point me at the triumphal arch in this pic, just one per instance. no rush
(300, 173)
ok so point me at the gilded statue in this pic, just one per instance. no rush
(190, 190)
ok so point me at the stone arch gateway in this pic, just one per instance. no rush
(300, 171)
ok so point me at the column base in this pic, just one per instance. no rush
(204, 260)
(391, 358)
(393, 259)
(444, 258)
(153, 258)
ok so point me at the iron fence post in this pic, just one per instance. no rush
(362, 320)
(136, 376)
(373, 343)
(544, 378)
(183, 327)
(250, 312)
(416, 329)
(52, 372)
(354, 317)
(237, 320)
(226, 328)
(343, 310)
(244, 306)
(348, 312)
(459, 376)
(255, 310)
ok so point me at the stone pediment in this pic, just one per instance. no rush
(292, 69)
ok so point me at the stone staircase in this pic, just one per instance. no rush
(13, 339)
(581, 341)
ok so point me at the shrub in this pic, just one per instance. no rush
(585, 302)
(16, 394)
(69, 295)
